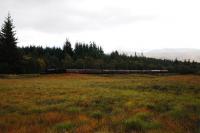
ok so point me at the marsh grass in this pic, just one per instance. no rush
(100, 103)
(74, 110)
(161, 106)
(96, 114)
(140, 122)
(63, 127)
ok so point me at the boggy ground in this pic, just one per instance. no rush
(100, 103)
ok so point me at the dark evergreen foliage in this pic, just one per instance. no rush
(67, 48)
(86, 56)
(83, 50)
(9, 54)
(32, 59)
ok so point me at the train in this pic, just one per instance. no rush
(100, 71)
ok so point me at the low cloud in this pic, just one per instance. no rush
(67, 16)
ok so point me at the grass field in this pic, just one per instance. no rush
(100, 103)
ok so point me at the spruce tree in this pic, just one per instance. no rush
(9, 55)
(67, 48)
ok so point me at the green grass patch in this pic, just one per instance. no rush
(74, 109)
(63, 127)
(160, 106)
(96, 114)
(140, 122)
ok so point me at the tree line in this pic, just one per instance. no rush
(37, 59)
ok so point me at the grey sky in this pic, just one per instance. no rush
(126, 25)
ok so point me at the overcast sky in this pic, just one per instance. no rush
(125, 25)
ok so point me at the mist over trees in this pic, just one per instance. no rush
(32, 59)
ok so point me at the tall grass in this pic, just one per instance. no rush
(100, 103)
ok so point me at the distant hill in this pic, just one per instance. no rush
(180, 54)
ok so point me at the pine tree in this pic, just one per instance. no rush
(9, 55)
(67, 48)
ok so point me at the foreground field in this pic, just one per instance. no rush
(100, 103)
